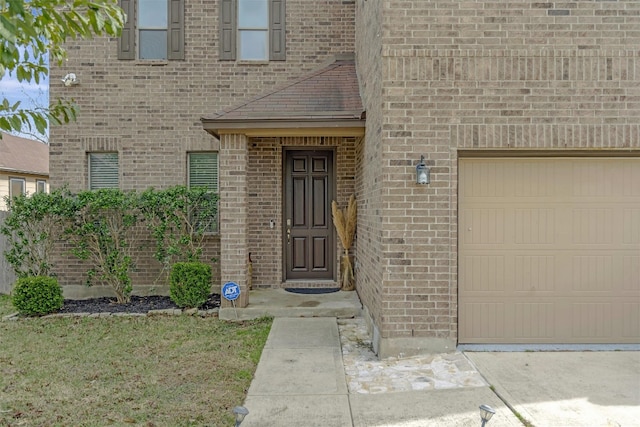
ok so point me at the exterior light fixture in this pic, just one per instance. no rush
(486, 412)
(240, 412)
(70, 79)
(422, 172)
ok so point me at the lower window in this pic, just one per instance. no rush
(103, 171)
(202, 170)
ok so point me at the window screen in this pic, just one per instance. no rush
(152, 29)
(253, 29)
(103, 170)
(203, 173)
(17, 187)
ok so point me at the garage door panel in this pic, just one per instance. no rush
(531, 179)
(593, 274)
(534, 226)
(631, 320)
(485, 320)
(631, 273)
(592, 179)
(534, 273)
(631, 226)
(535, 321)
(592, 226)
(591, 321)
(558, 255)
(484, 273)
(484, 226)
(604, 178)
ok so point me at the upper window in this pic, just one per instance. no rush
(252, 30)
(41, 186)
(17, 187)
(154, 30)
(103, 170)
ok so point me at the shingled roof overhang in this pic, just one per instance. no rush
(23, 156)
(325, 102)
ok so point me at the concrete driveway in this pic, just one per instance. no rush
(566, 388)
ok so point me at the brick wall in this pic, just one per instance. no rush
(234, 211)
(370, 263)
(150, 111)
(459, 77)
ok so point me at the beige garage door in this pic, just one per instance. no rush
(549, 250)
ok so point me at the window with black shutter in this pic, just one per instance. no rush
(154, 30)
(252, 30)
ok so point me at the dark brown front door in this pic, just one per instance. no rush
(309, 247)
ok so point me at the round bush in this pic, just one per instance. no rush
(36, 296)
(190, 284)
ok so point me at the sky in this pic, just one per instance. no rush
(31, 94)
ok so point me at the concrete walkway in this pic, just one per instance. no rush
(280, 303)
(301, 381)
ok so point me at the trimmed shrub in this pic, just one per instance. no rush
(190, 284)
(36, 296)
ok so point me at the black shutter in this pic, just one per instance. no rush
(175, 33)
(126, 42)
(228, 29)
(277, 48)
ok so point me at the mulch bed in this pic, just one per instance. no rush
(137, 305)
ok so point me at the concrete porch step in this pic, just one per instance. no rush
(280, 303)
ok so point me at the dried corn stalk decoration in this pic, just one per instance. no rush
(345, 223)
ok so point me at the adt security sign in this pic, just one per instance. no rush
(231, 291)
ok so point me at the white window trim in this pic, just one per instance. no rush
(13, 179)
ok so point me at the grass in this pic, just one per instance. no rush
(6, 307)
(144, 371)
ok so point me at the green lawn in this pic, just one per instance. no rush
(157, 371)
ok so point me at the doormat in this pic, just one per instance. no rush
(311, 291)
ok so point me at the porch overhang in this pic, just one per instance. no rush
(323, 102)
(329, 124)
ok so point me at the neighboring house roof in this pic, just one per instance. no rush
(25, 156)
(329, 96)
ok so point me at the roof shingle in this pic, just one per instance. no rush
(21, 155)
(329, 92)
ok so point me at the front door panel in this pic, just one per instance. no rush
(308, 234)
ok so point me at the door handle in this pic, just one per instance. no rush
(288, 231)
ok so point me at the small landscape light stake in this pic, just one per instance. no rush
(486, 412)
(240, 412)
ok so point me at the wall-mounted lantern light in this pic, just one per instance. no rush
(422, 172)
